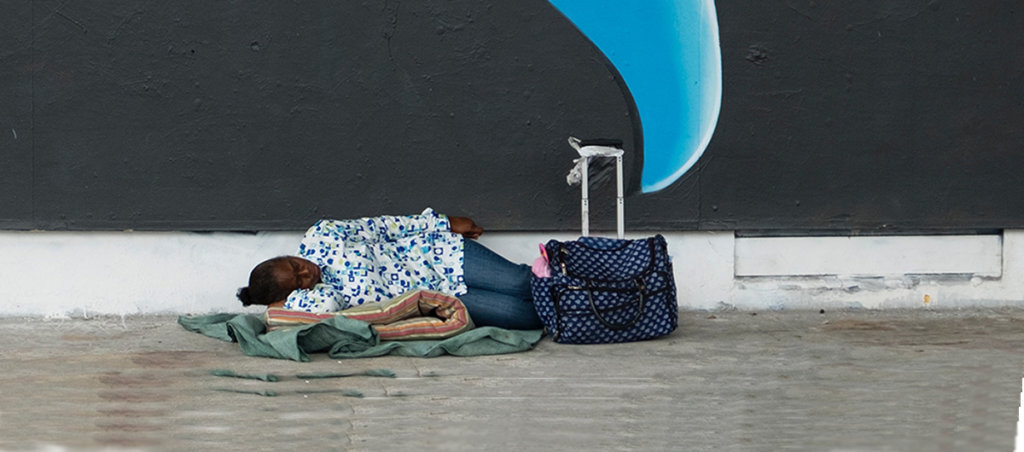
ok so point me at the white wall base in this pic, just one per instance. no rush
(90, 273)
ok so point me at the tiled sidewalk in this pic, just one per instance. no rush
(855, 380)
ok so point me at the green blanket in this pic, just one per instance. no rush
(342, 337)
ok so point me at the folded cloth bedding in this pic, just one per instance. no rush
(414, 315)
(342, 337)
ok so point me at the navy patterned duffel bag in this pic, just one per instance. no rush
(605, 290)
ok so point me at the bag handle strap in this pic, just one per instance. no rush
(621, 326)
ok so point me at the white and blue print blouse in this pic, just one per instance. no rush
(370, 260)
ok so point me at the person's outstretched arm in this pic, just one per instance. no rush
(380, 228)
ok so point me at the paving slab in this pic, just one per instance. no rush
(731, 380)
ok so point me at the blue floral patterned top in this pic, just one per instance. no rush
(371, 260)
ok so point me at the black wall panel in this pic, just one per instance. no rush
(877, 116)
(269, 115)
(870, 115)
(17, 70)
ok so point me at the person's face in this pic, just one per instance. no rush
(296, 273)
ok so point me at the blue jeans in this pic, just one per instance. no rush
(498, 290)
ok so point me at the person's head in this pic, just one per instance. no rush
(273, 279)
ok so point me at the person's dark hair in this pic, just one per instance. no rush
(264, 287)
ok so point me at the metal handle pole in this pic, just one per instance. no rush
(585, 200)
(620, 205)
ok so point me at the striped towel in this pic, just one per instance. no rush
(414, 315)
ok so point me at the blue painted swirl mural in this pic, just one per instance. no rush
(667, 53)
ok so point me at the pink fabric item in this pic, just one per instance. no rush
(540, 265)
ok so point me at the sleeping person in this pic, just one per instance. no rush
(342, 264)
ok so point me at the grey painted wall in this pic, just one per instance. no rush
(872, 116)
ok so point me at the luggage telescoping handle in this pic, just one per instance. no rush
(620, 205)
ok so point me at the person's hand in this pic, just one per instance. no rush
(465, 226)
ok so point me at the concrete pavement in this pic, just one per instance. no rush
(732, 380)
